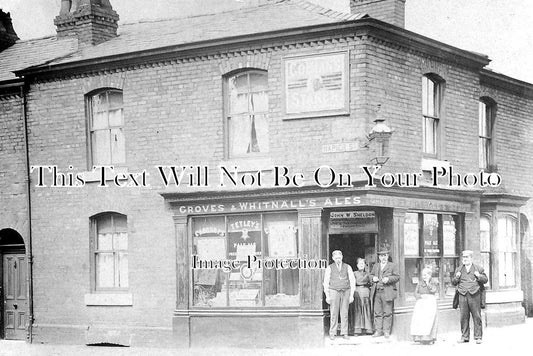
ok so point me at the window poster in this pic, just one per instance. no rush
(244, 236)
(316, 85)
(431, 235)
(281, 239)
(410, 235)
(448, 231)
(210, 238)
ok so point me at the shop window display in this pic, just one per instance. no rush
(238, 240)
(430, 240)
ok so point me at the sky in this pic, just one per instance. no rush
(500, 29)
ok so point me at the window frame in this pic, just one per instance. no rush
(488, 251)
(421, 258)
(94, 251)
(487, 109)
(435, 117)
(264, 240)
(89, 97)
(228, 115)
(498, 251)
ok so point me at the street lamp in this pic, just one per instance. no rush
(378, 142)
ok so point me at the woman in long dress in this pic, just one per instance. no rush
(424, 321)
(362, 308)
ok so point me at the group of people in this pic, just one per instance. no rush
(373, 295)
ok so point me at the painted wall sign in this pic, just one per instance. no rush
(316, 85)
(341, 147)
(352, 222)
(278, 204)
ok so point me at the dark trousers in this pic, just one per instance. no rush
(471, 304)
(382, 313)
(340, 301)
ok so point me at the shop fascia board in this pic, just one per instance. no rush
(360, 27)
(462, 195)
(491, 200)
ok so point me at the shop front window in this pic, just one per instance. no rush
(235, 241)
(430, 240)
(507, 252)
(484, 246)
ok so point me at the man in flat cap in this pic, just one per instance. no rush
(339, 287)
(384, 277)
(469, 280)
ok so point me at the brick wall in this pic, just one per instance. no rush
(174, 115)
(13, 190)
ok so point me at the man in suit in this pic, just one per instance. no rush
(384, 277)
(468, 280)
(339, 288)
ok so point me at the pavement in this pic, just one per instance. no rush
(496, 341)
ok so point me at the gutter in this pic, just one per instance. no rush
(356, 27)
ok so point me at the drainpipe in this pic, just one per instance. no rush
(29, 253)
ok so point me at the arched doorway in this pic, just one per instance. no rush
(13, 286)
(526, 253)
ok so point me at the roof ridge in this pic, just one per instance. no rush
(261, 4)
(324, 11)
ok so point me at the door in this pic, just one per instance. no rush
(14, 274)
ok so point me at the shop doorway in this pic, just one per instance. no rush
(13, 286)
(354, 246)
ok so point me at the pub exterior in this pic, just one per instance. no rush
(268, 126)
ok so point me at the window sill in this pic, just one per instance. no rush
(315, 115)
(248, 164)
(427, 164)
(96, 174)
(109, 299)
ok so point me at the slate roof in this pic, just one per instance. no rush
(272, 15)
(24, 54)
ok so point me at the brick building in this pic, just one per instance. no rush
(306, 88)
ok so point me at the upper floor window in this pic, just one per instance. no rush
(109, 245)
(432, 88)
(247, 113)
(106, 121)
(487, 114)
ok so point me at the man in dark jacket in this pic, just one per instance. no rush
(384, 277)
(468, 280)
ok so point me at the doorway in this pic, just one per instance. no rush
(13, 286)
(354, 246)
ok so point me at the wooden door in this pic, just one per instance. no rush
(15, 296)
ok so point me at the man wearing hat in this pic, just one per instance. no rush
(339, 287)
(469, 279)
(384, 277)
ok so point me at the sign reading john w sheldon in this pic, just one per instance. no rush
(346, 222)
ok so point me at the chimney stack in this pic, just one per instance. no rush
(8, 37)
(391, 11)
(91, 21)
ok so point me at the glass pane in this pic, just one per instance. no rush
(510, 264)
(99, 103)
(116, 118)
(431, 98)
(258, 82)
(261, 133)
(101, 147)
(484, 234)
(429, 135)
(121, 223)
(411, 235)
(105, 275)
(245, 287)
(99, 121)
(412, 275)
(104, 224)
(115, 100)
(259, 102)
(239, 83)
(122, 270)
(118, 147)
(485, 262)
(120, 241)
(239, 103)
(482, 119)
(281, 241)
(209, 244)
(449, 235)
(240, 135)
(431, 235)
(425, 96)
(105, 241)
(448, 270)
